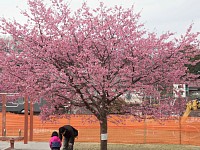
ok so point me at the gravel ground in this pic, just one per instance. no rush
(96, 146)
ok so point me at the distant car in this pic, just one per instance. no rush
(18, 106)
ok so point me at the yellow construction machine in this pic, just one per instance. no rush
(192, 106)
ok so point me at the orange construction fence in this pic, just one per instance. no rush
(124, 130)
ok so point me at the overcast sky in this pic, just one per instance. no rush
(158, 15)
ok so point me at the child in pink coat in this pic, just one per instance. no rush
(55, 142)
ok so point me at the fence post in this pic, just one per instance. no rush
(26, 120)
(31, 120)
(20, 132)
(4, 132)
(3, 114)
(145, 129)
(180, 130)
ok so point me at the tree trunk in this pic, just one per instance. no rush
(103, 132)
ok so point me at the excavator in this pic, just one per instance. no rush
(192, 108)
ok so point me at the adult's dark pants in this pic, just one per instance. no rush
(67, 145)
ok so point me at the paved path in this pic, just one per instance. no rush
(22, 146)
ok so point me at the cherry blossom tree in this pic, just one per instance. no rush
(90, 58)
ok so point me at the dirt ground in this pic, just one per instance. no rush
(96, 146)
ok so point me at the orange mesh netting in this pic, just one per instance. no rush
(125, 131)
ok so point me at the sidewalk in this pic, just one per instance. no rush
(21, 146)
